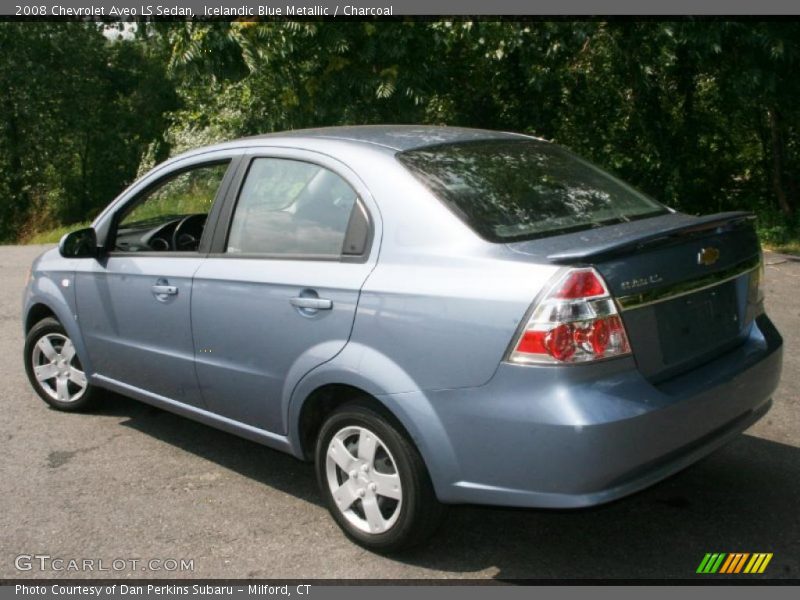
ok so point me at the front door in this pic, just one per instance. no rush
(134, 303)
(279, 298)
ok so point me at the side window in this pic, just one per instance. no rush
(292, 208)
(171, 216)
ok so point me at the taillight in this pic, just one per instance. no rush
(577, 321)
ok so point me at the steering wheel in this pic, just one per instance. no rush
(186, 236)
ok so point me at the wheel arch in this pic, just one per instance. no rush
(332, 384)
(45, 303)
(38, 312)
(323, 401)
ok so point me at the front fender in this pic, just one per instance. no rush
(367, 369)
(55, 289)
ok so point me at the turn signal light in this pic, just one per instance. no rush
(577, 321)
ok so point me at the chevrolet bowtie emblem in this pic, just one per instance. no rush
(707, 256)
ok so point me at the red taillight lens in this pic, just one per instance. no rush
(577, 321)
(532, 342)
(581, 283)
(599, 336)
(559, 342)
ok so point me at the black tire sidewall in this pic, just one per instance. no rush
(413, 477)
(42, 328)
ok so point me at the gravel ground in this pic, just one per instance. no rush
(134, 482)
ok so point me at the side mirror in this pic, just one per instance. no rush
(79, 244)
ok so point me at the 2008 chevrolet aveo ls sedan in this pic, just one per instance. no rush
(431, 315)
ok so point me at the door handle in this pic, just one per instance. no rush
(165, 290)
(311, 303)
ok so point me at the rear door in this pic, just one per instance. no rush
(278, 294)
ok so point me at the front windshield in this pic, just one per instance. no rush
(510, 190)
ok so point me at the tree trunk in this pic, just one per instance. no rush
(18, 202)
(778, 148)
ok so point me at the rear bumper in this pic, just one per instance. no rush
(584, 435)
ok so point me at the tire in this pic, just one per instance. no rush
(388, 506)
(49, 351)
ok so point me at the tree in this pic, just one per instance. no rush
(700, 114)
(78, 112)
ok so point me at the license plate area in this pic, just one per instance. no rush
(696, 324)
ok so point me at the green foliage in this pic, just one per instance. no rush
(191, 192)
(77, 111)
(54, 235)
(702, 115)
(776, 230)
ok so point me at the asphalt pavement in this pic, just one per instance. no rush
(128, 482)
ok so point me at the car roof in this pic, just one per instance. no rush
(394, 137)
(382, 138)
(389, 138)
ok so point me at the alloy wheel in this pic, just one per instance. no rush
(363, 479)
(57, 368)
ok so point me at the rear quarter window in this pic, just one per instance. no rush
(512, 190)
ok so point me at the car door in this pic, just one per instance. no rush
(133, 303)
(278, 294)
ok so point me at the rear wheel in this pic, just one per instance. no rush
(54, 369)
(374, 481)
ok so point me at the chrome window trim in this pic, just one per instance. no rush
(684, 288)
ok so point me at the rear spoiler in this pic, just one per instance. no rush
(637, 240)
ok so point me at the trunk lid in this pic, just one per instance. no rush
(685, 285)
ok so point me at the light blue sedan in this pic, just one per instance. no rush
(432, 315)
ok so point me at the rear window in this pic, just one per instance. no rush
(511, 190)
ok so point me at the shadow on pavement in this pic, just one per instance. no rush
(270, 467)
(744, 498)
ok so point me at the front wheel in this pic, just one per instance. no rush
(374, 481)
(54, 369)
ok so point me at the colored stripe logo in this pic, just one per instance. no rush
(735, 562)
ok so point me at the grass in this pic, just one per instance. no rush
(188, 193)
(52, 236)
(787, 248)
(184, 204)
(779, 234)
